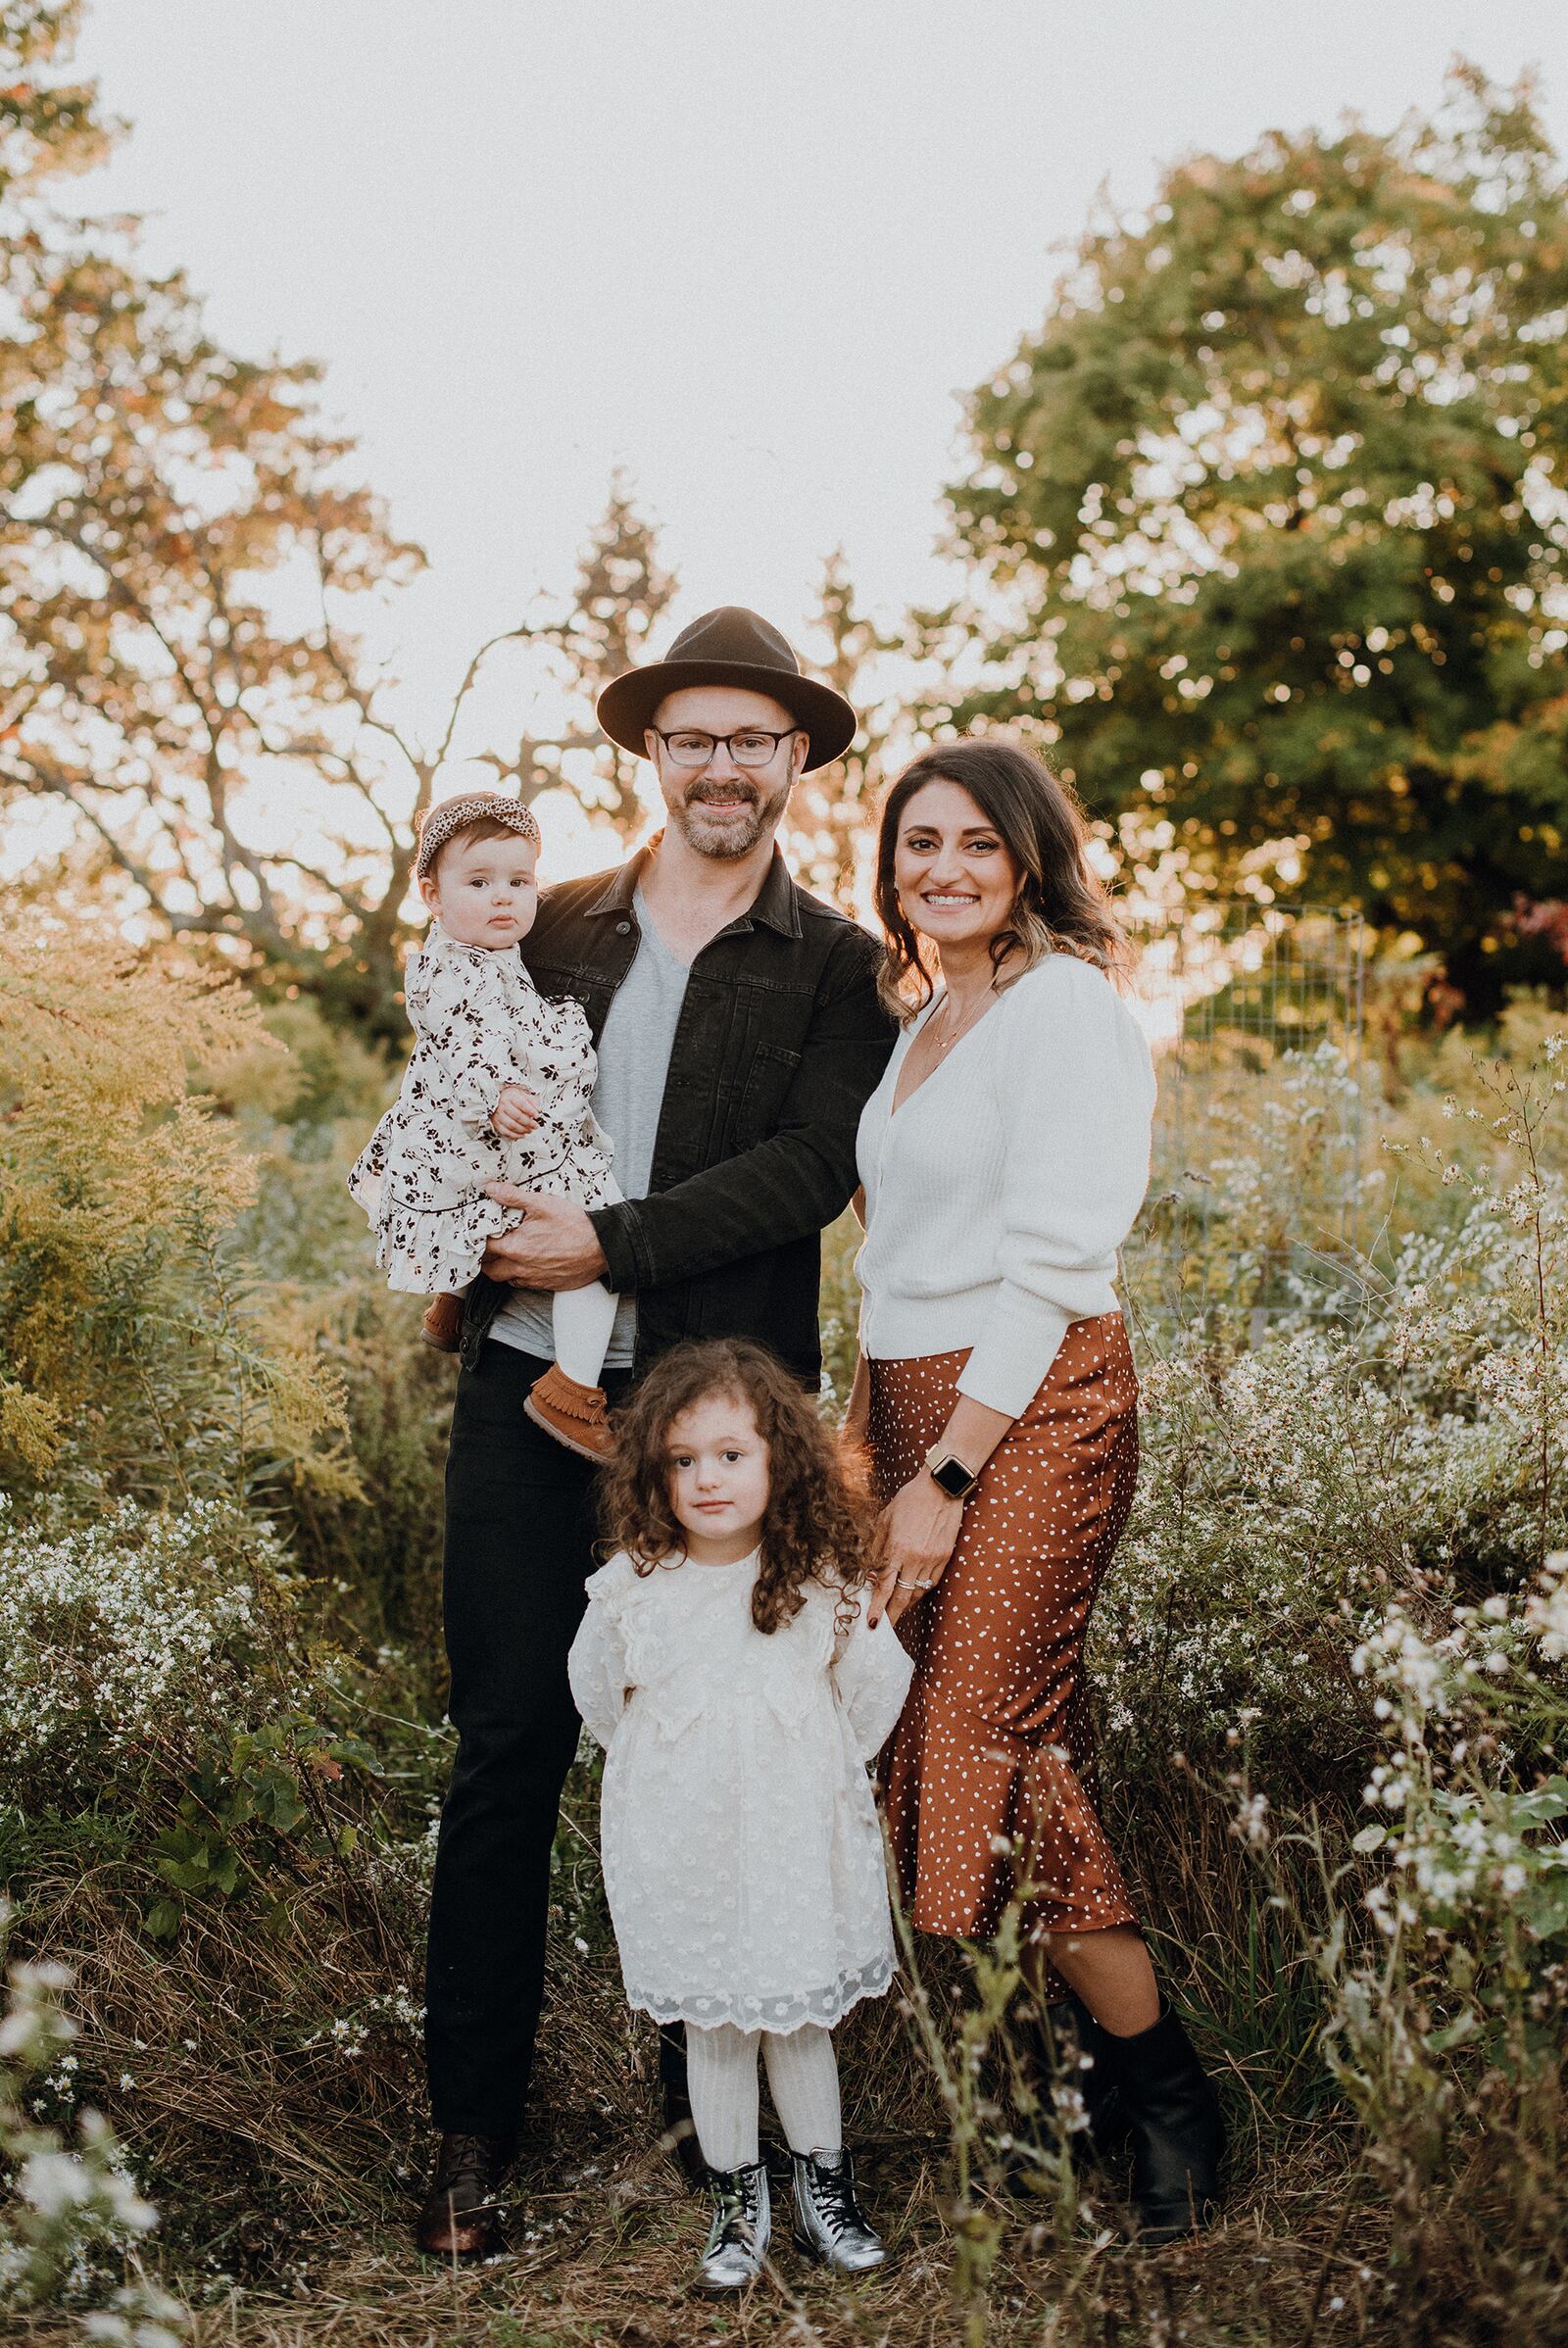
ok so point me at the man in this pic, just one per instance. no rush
(739, 1036)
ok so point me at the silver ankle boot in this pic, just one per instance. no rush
(742, 2229)
(830, 2226)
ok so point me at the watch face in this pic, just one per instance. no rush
(953, 1477)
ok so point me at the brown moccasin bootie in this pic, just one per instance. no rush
(575, 1415)
(442, 1325)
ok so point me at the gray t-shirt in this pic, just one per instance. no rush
(634, 1052)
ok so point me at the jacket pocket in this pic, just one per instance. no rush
(769, 1079)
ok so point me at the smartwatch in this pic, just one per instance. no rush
(949, 1474)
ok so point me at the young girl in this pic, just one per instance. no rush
(497, 1091)
(726, 1665)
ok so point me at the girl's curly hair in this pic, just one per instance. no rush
(817, 1525)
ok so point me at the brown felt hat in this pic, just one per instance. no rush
(729, 647)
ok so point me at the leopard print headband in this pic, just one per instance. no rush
(443, 822)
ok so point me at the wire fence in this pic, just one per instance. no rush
(1256, 1017)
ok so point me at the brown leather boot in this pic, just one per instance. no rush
(575, 1415)
(459, 2219)
(442, 1325)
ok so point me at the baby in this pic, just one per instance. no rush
(498, 1090)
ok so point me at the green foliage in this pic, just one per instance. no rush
(75, 2220)
(138, 1349)
(220, 1761)
(1266, 521)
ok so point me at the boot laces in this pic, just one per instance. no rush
(465, 2156)
(735, 2218)
(834, 2192)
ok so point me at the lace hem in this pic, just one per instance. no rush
(777, 2015)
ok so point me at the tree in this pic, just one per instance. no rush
(1269, 522)
(827, 833)
(182, 547)
(49, 127)
(621, 594)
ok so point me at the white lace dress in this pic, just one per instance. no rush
(480, 1023)
(742, 1851)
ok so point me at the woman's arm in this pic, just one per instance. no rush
(919, 1527)
(1076, 1099)
(1075, 1093)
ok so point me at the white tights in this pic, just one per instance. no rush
(582, 1319)
(802, 2078)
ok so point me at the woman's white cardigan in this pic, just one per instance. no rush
(998, 1196)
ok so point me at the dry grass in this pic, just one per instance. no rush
(604, 2250)
(292, 2174)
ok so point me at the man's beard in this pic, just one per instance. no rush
(733, 833)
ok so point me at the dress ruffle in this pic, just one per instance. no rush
(435, 1253)
(777, 2015)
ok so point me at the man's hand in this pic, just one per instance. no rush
(553, 1246)
(515, 1113)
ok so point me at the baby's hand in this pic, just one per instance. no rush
(515, 1113)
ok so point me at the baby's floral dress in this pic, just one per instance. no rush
(480, 1023)
(742, 1856)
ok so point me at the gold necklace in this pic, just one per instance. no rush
(944, 1047)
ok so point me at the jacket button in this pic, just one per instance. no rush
(624, 929)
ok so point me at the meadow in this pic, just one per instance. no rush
(1330, 1664)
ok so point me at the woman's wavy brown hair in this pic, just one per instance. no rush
(817, 1526)
(1063, 906)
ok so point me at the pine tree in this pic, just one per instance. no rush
(829, 833)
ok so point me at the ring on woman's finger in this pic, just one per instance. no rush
(906, 1583)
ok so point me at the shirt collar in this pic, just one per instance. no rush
(776, 903)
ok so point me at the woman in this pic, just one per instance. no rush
(1004, 1157)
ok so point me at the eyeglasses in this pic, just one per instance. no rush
(753, 748)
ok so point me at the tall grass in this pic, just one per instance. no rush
(1331, 1672)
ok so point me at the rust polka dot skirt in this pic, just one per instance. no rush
(989, 1777)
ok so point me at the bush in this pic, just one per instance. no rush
(1331, 1659)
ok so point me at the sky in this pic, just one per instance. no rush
(750, 251)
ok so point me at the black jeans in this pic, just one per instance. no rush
(519, 1548)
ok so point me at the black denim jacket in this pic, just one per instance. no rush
(780, 1043)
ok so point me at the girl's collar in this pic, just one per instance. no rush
(751, 1558)
(438, 935)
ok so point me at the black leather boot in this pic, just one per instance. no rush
(1094, 2077)
(1177, 2134)
(680, 2133)
(1060, 2051)
(459, 2217)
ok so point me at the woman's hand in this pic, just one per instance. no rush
(916, 1535)
(515, 1113)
